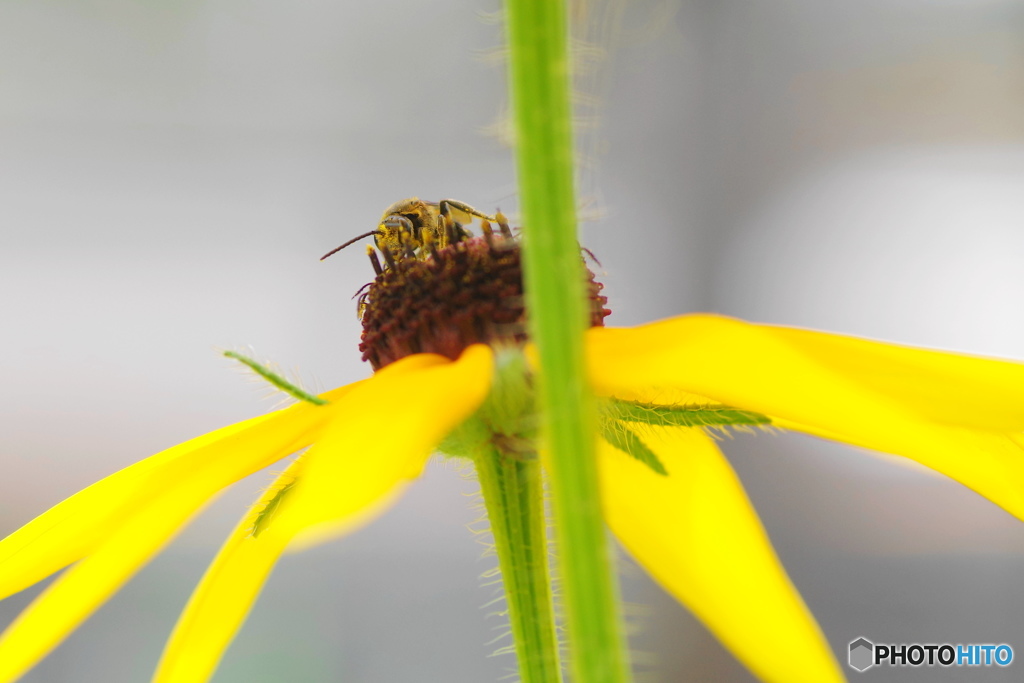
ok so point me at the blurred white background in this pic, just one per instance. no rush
(170, 173)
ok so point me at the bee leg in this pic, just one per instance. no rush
(453, 230)
(449, 229)
(408, 247)
(445, 205)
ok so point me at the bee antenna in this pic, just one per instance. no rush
(350, 243)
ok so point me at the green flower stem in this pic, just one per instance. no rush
(513, 493)
(539, 78)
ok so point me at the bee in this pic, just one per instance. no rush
(417, 223)
(413, 226)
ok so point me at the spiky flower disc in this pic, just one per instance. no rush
(465, 293)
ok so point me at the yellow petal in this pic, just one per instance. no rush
(143, 527)
(379, 440)
(698, 535)
(950, 388)
(225, 595)
(397, 420)
(73, 528)
(754, 368)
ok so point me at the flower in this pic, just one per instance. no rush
(694, 530)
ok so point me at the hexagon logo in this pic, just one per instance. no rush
(862, 654)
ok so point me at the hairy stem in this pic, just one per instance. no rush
(514, 496)
(553, 273)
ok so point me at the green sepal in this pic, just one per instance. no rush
(267, 513)
(276, 379)
(687, 415)
(620, 436)
(507, 420)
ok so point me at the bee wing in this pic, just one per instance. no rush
(461, 217)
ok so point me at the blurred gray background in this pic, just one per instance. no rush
(170, 173)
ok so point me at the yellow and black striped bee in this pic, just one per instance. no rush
(416, 223)
(413, 226)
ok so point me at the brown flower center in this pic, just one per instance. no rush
(467, 292)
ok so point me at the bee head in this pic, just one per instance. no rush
(401, 225)
(404, 223)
